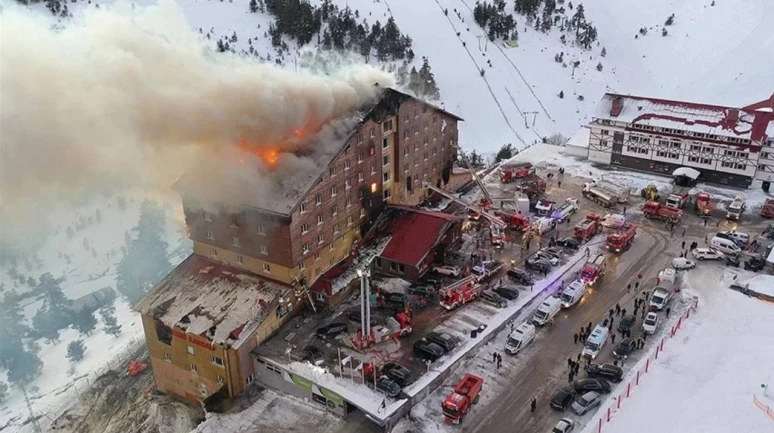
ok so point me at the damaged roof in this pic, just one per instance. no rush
(220, 303)
(414, 233)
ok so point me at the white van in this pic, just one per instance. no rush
(573, 293)
(544, 225)
(725, 246)
(660, 298)
(741, 239)
(735, 209)
(546, 311)
(520, 338)
(596, 341)
(667, 278)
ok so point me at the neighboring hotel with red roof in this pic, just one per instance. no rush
(727, 145)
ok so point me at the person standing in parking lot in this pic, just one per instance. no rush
(575, 338)
(533, 405)
(668, 310)
(612, 338)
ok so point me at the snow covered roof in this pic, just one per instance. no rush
(414, 233)
(581, 138)
(687, 172)
(218, 302)
(741, 123)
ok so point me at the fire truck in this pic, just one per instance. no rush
(587, 228)
(677, 200)
(515, 221)
(394, 328)
(518, 171)
(544, 207)
(565, 210)
(594, 269)
(460, 293)
(656, 210)
(621, 192)
(704, 205)
(533, 187)
(622, 238)
(767, 211)
(601, 196)
(487, 270)
(465, 395)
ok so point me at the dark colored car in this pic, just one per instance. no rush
(332, 330)
(732, 261)
(537, 264)
(754, 264)
(519, 276)
(313, 355)
(553, 251)
(625, 348)
(493, 299)
(583, 386)
(509, 293)
(609, 372)
(387, 386)
(355, 316)
(427, 351)
(396, 298)
(570, 243)
(562, 398)
(433, 282)
(626, 323)
(442, 339)
(422, 290)
(400, 374)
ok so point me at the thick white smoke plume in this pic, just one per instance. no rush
(132, 96)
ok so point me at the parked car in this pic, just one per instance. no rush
(548, 257)
(583, 386)
(387, 386)
(570, 243)
(553, 251)
(707, 254)
(430, 281)
(508, 292)
(660, 299)
(452, 271)
(427, 351)
(332, 330)
(626, 322)
(537, 264)
(519, 276)
(562, 398)
(625, 348)
(395, 298)
(755, 264)
(650, 323)
(610, 372)
(422, 290)
(586, 402)
(398, 373)
(733, 261)
(565, 425)
(492, 298)
(446, 341)
(313, 355)
(354, 315)
(681, 263)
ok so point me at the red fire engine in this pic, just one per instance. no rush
(622, 238)
(767, 211)
(465, 395)
(704, 205)
(594, 269)
(512, 172)
(656, 210)
(587, 228)
(460, 293)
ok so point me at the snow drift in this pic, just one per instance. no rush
(130, 95)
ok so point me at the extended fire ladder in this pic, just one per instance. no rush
(494, 219)
(477, 179)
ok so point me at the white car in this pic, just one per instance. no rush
(650, 323)
(551, 259)
(707, 254)
(565, 425)
(683, 263)
(448, 270)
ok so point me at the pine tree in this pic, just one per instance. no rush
(664, 31)
(604, 52)
(55, 313)
(505, 152)
(110, 324)
(561, 94)
(253, 6)
(75, 350)
(13, 328)
(85, 322)
(599, 66)
(670, 20)
(24, 367)
(429, 87)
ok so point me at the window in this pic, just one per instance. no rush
(372, 133)
(362, 212)
(221, 380)
(348, 184)
(425, 156)
(233, 221)
(332, 171)
(317, 271)
(373, 170)
(304, 229)
(305, 249)
(301, 266)
(319, 219)
(347, 165)
(316, 256)
(190, 350)
(406, 134)
(194, 369)
(385, 160)
(405, 151)
(320, 297)
(386, 194)
(320, 239)
(386, 176)
(360, 177)
(209, 234)
(349, 220)
(249, 379)
(318, 200)
(207, 216)
(605, 132)
(336, 229)
(264, 250)
(335, 210)
(213, 251)
(359, 157)
(217, 361)
(358, 137)
(435, 120)
(416, 130)
(303, 208)
(235, 241)
(240, 260)
(373, 187)
(349, 201)
(603, 143)
(261, 230)
(267, 268)
(334, 190)
(332, 245)
(401, 268)
(424, 143)
(387, 126)
(167, 357)
(331, 261)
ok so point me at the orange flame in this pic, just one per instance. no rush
(268, 155)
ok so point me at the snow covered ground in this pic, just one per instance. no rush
(706, 380)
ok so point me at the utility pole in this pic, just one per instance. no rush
(534, 116)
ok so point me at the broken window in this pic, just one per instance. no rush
(217, 361)
(163, 333)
